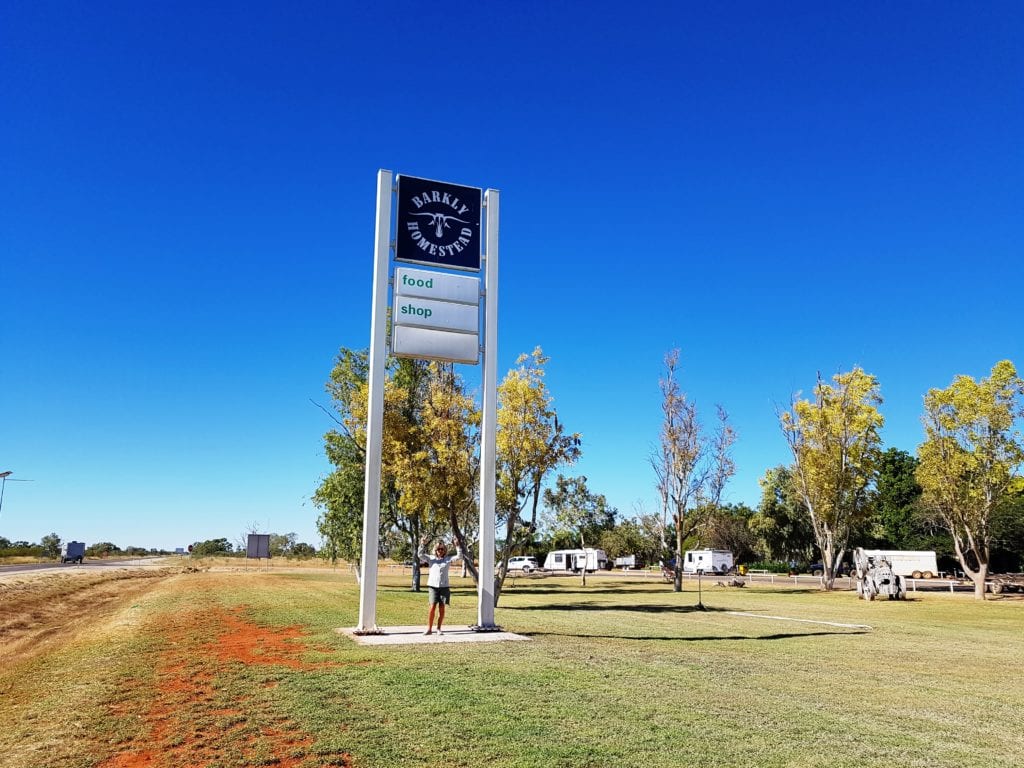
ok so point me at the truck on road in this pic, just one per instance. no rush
(72, 552)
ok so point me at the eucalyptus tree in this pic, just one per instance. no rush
(578, 513)
(781, 526)
(50, 544)
(531, 443)
(897, 500)
(436, 463)
(969, 459)
(340, 493)
(836, 450)
(692, 466)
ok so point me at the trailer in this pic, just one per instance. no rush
(625, 562)
(72, 552)
(915, 564)
(707, 561)
(576, 560)
(1006, 582)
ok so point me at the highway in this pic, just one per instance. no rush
(129, 562)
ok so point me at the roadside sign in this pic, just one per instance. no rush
(440, 315)
(258, 546)
(438, 224)
(434, 316)
(430, 344)
(437, 285)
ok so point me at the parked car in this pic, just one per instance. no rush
(818, 569)
(524, 563)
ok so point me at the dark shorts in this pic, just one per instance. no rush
(437, 595)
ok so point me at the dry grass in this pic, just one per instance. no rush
(37, 608)
(227, 668)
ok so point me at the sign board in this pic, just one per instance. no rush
(430, 344)
(438, 224)
(437, 285)
(441, 315)
(258, 546)
(436, 316)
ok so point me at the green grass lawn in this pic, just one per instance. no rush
(617, 673)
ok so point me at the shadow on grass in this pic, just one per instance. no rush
(774, 636)
(628, 608)
(578, 590)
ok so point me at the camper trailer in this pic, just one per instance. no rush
(576, 560)
(707, 561)
(916, 564)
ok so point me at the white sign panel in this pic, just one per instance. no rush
(429, 344)
(442, 315)
(437, 285)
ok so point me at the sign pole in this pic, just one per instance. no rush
(488, 427)
(375, 415)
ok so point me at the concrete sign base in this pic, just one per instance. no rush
(413, 635)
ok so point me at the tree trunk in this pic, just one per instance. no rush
(677, 575)
(828, 565)
(416, 573)
(830, 550)
(583, 546)
(414, 538)
(467, 557)
(961, 549)
(979, 582)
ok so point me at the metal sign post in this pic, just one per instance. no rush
(488, 424)
(375, 414)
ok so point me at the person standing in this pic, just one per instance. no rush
(439, 592)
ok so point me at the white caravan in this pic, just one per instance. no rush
(576, 560)
(707, 561)
(917, 564)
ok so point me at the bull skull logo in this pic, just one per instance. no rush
(439, 221)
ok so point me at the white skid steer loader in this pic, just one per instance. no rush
(875, 577)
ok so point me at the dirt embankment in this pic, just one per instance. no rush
(37, 608)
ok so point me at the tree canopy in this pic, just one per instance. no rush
(836, 449)
(692, 466)
(968, 460)
(577, 515)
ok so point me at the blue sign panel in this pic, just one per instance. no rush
(438, 224)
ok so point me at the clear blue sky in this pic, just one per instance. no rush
(186, 226)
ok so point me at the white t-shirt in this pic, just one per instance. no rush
(438, 576)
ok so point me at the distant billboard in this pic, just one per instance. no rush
(258, 545)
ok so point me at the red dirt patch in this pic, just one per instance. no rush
(241, 640)
(186, 726)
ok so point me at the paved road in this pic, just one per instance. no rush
(127, 563)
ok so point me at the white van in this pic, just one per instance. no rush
(576, 560)
(707, 561)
